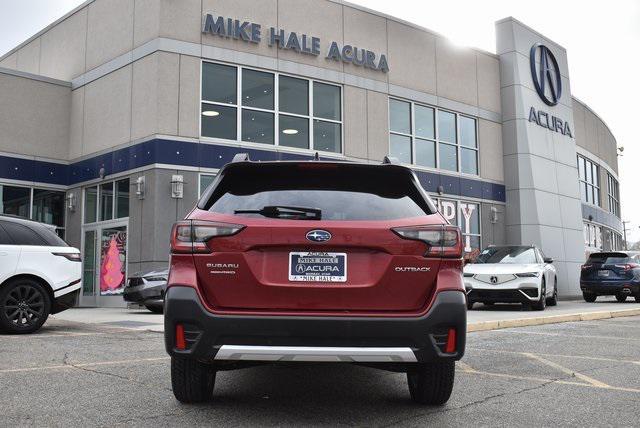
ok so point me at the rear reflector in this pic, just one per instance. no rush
(181, 344)
(451, 342)
(191, 236)
(441, 240)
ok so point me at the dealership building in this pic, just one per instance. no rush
(115, 118)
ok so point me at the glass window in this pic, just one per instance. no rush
(301, 122)
(219, 121)
(425, 127)
(90, 204)
(327, 136)
(422, 137)
(5, 239)
(589, 181)
(257, 126)
(106, 201)
(469, 161)
(257, 89)
(448, 157)
(205, 181)
(400, 147)
(48, 207)
(122, 198)
(447, 126)
(294, 95)
(400, 116)
(219, 83)
(294, 131)
(15, 200)
(508, 255)
(614, 195)
(326, 101)
(425, 153)
(23, 235)
(468, 132)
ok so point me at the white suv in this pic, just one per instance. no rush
(39, 274)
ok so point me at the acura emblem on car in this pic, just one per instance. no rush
(494, 279)
(318, 235)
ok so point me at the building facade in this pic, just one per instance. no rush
(116, 117)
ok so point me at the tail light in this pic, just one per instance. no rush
(627, 266)
(191, 236)
(585, 267)
(74, 257)
(441, 240)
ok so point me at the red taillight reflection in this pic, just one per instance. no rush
(450, 348)
(191, 236)
(627, 266)
(181, 344)
(441, 240)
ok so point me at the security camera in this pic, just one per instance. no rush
(621, 148)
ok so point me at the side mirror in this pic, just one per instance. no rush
(548, 260)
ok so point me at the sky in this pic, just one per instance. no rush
(602, 42)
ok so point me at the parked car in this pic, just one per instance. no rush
(611, 274)
(39, 274)
(512, 274)
(315, 261)
(147, 289)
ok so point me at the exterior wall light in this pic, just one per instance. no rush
(177, 186)
(71, 201)
(140, 187)
(494, 215)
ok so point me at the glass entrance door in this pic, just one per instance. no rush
(104, 265)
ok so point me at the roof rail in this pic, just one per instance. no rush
(241, 157)
(390, 160)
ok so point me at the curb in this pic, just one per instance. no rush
(554, 319)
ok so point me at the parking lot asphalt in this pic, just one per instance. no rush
(77, 374)
(480, 318)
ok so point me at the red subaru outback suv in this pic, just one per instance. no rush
(315, 261)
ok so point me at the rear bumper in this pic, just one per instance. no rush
(304, 338)
(144, 294)
(609, 288)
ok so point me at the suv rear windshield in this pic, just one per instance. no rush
(610, 259)
(339, 192)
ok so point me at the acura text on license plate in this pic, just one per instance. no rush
(317, 267)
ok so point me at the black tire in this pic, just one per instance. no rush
(541, 304)
(621, 297)
(469, 305)
(24, 306)
(637, 298)
(432, 383)
(553, 300)
(191, 380)
(156, 309)
(589, 297)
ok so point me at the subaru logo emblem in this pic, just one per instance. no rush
(548, 75)
(494, 279)
(318, 235)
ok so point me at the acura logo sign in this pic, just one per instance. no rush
(546, 74)
(494, 279)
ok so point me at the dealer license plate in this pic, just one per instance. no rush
(603, 273)
(317, 267)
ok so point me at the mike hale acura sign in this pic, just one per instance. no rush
(251, 32)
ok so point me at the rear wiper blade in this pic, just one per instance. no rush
(281, 211)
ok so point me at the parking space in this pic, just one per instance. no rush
(76, 374)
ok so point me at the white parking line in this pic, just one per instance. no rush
(565, 370)
(48, 335)
(81, 365)
(518, 331)
(581, 357)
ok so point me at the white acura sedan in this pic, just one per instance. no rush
(512, 274)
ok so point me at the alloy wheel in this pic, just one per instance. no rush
(24, 306)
